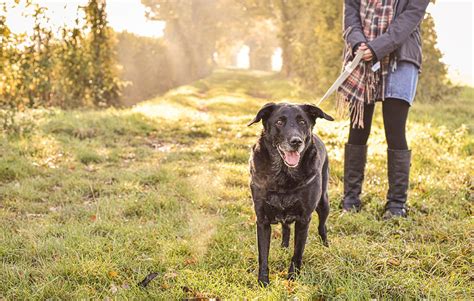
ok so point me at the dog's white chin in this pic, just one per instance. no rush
(291, 159)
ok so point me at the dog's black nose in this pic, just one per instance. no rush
(296, 141)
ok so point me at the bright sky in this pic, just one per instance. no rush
(122, 14)
(453, 18)
(454, 26)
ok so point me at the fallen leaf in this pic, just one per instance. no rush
(54, 209)
(276, 234)
(393, 261)
(186, 289)
(90, 168)
(190, 261)
(171, 275)
(147, 279)
(34, 215)
(289, 285)
(125, 286)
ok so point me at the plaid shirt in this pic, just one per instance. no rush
(364, 86)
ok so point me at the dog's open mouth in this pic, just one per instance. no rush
(291, 158)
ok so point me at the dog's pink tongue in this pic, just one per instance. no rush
(292, 158)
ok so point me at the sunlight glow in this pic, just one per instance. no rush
(169, 111)
(243, 59)
(455, 37)
(277, 60)
(456, 45)
(123, 15)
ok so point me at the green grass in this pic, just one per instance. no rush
(93, 201)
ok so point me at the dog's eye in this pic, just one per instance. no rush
(279, 122)
(302, 122)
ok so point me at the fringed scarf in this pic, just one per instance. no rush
(364, 86)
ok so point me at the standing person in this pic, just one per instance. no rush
(388, 33)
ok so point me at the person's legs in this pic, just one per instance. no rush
(395, 113)
(355, 157)
(360, 136)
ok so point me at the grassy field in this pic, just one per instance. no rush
(93, 201)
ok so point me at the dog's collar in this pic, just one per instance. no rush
(309, 181)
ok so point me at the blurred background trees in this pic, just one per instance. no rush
(146, 68)
(88, 64)
(78, 68)
(104, 84)
(434, 85)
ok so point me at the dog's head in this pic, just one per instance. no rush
(289, 128)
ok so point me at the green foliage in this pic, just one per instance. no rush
(190, 33)
(10, 77)
(27, 66)
(284, 13)
(93, 201)
(104, 84)
(194, 31)
(73, 69)
(38, 62)
(316, 44)
(39, 70)
(434, 85)
(80, 68)
(145, 65)
(310, 35)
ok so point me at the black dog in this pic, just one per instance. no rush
(289, 176)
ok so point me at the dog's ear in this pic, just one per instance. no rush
(263, 113)
(315, 112)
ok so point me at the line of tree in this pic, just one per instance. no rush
(90, 65)
(145, 67)
(79, 68)
(308, 32)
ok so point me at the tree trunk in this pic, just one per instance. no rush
(285, 39)
(260, 57)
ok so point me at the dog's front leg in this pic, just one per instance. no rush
(263, 237)
(301, 233)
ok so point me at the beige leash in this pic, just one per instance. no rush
(344, 75)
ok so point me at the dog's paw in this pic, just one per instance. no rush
(263, 281)
(293, 271)
(291, 276)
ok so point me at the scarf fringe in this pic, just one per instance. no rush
(352, 109)
(342, 106)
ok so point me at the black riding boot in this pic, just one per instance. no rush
(399, 162)
(355, 157)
